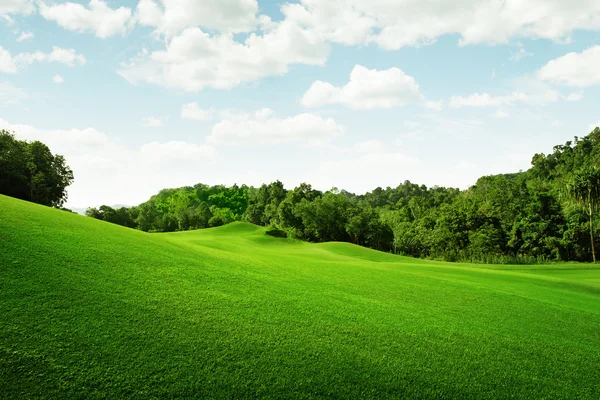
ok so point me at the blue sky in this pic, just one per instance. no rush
(141, 95)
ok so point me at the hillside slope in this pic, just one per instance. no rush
(90, 309)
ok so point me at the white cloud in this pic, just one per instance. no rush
(25, 36)
(7, 62)
(521, 54)
(574, 69)
(58, 79)
(529, 91)
(151, 122)
(64, 56)
(392, 24)
(264, 128)
(107, 172)
(16, 7)
(194, 59)
(367, 89)
(171, 17)
(535, 92)
(201, 50)
(59, 139)
(98, 17)
(193, 111)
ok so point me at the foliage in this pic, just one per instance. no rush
(29, 171)
(519, 218)
(584, 189)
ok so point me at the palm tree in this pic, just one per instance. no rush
(584, 189)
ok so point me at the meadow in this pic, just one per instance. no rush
(90, 309)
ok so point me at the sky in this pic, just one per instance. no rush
(142, 95)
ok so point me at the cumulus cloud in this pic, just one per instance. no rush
(201, 50)
(24, 36)
(16, 7)
(97, 17)
(193, 111)
(195, 59)
(170, 17)
(530, 92)
(68, 57)
(58, 79)
(262, 127)
(392, 24)
(108, 172)
(367, 89)
(7, 62)
(61, 139)
(573, 69)
(388, 23)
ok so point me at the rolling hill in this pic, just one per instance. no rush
(89, 309)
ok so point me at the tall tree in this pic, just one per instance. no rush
(584, 189)
(29, 171)
(14, 175)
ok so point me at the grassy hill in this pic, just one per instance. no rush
(89, 309)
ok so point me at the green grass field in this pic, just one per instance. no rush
(94, 310)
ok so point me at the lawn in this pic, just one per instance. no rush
(94, 310)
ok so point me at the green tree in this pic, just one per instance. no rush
(584, 189)
(29, 171)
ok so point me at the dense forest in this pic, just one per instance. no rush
(546, 213)
(542, 214)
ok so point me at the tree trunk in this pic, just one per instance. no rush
(592, 233)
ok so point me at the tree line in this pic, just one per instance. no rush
(542, 214)
(546, 213)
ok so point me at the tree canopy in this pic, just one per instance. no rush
(546, 213)
(29, 171)
(584, 188)
(521, 217)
